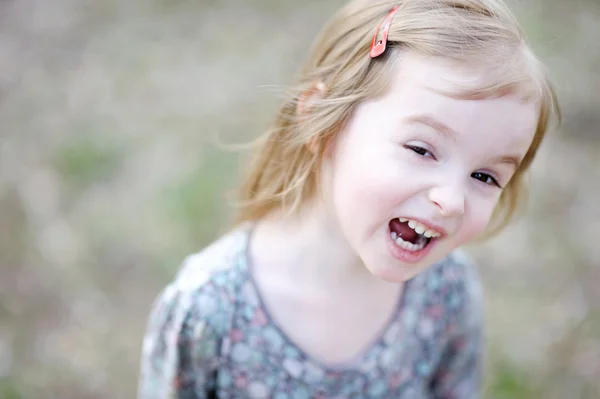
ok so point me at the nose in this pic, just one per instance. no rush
(449, 199)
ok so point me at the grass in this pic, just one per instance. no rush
(89, 157)
(508, 381)
(9, 389)
(195, 202)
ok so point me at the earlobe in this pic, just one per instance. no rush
(322, 146)
(313, 145)
(305, 102)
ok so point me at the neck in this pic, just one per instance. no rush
(310, 246)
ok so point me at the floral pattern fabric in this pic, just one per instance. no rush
(209, 335)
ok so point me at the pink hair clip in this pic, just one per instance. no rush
(378, 46)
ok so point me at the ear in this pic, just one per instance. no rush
(307, 98)
(305, 102)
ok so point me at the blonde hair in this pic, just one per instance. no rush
(285, 172)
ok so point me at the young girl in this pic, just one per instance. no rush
(408, 137)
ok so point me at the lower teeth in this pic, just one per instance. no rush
(409, 246)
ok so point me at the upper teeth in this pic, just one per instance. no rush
(420, 228)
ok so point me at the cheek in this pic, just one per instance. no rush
(367, 180)
(364, 190)
(359, 193)
(478, 219)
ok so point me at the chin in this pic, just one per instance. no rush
(395, 265)
(392, 271)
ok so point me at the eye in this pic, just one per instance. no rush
(485, 178)
(421, 151)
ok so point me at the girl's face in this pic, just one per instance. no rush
(416, 173)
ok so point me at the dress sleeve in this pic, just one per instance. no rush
(180, 349)
(460, 372)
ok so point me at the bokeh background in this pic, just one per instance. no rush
(109, 176)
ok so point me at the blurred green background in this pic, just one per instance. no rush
(109, 176)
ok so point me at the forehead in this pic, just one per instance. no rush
(424, 85)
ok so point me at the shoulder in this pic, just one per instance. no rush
(221, 256)
(460, 288)
(458, 272)
(189, 317)
(201, 291)
(461, 344)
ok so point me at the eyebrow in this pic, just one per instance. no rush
(509, 159)
(448, 133)
(444, 130)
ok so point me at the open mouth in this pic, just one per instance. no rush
(411, 235)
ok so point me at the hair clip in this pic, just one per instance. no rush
(378, 46)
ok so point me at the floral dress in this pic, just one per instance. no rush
(209, 335)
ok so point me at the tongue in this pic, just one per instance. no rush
(403, 230)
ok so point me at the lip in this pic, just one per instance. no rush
(429, 225)
(406, 256)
